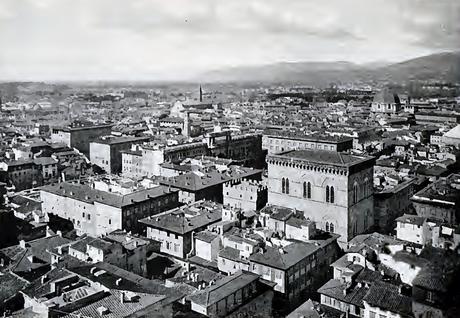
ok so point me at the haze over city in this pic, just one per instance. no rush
(180, 39)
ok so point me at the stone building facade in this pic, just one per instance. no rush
(332, 189)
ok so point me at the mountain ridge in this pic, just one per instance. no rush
(444, 66)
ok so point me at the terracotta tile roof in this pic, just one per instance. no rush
(386, 296)
(187, 218)
(223, 288)
(85, 193)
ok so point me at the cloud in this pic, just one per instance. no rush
(178, 38)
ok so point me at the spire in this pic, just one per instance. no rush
(201, 95)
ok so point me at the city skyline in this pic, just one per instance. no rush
(175, 40)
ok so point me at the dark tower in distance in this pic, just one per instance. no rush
(201, 95)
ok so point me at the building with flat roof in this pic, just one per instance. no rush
(333, 189)
(80, 137)
(106, 152)
(96, 213)
(283, 141)
(440, 200)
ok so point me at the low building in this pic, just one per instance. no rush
(96, 213)
(247, 195)
(175, 229)
(440, 200)
(427, 232)
(298, 268)
(208, 184)
(452, 137)
(238, 295)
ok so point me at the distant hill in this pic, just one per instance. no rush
(442, 66)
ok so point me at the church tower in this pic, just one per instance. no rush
(201, 95)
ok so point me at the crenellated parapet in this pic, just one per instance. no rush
(303, 164)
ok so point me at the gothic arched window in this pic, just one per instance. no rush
(327, 226)
(332, 195)
(309, 190)
(283, 185)
(327, 193)
(304, 189)
(355, 193)
(331, 228)
(287, 186)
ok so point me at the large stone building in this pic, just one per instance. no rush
(106, 151)
(145, 160)
(333, 189)
(96, 213)
(80, 137)
(276, 142)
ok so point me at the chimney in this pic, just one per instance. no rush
(118, 282)
(22, 244)
(43, 279)
(122, 297)
(59, 233)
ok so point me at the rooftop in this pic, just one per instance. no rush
(85, 193)
(199, 180)
(387, 296)
(187, 218)
(286, 257)
(223, 288)
(325, 157)
(120, 140)
(445, 191)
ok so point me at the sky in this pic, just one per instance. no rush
(54, 40)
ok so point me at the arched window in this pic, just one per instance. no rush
(283, 185)
(304, 189)
(355, 193)
(309, 190)
(331, 228)
(327, 193)
(332, 194)
(327, 226)
(287, 186)
(367, 189)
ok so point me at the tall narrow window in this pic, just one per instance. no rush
(327, 226)
(283, 185)
(331, 227)
(287, 186)
(332, 195)
(309, 190)
(304, 189)
(327, 193)
(355, 193)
